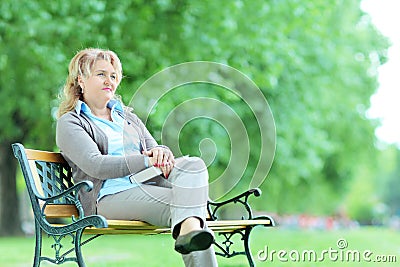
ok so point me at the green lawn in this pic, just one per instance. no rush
(158, 251)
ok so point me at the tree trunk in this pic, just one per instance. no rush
(10, 223)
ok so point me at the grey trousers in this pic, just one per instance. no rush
(167, 202)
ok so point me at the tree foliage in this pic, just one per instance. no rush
(315, 62)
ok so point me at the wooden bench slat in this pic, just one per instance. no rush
(60, 211)
(120, 224)
(239, 223)
(150, 231)
(216, 226)
(47, 156)
(139, 227)
(67, 210)
(127, 224)
(111, 231)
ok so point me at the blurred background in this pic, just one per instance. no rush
(316, 62)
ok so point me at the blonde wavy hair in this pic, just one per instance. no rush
(81, 65)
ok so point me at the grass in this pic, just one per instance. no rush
(148, 251)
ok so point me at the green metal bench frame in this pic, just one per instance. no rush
(53, 194)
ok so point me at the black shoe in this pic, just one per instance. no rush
(194, 241)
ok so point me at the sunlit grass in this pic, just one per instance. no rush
(129, 250)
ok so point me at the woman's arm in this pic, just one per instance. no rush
(78, 146)
(159, 155)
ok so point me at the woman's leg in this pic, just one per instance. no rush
(167, 203)
(189, 183)
(145, 203)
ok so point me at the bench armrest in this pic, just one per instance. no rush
(242, 199)
(71, 194)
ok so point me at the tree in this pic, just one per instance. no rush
(389, 191)
(314, 61)
(26, 111)
(316, 64)
(37, 39)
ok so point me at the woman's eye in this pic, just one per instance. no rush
(113, 77)
(100, 74)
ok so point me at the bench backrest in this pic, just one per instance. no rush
(46, 174)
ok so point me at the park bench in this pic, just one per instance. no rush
(59, 214)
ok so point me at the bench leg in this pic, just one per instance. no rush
(247, 246)
(226, 246)
(78, 245)
(60, 259)
(38, 245)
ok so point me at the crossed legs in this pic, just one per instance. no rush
(179, 202)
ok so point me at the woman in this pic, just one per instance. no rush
(106, 143)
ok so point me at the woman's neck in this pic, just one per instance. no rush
(101, 112)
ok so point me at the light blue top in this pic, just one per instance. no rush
(114, 131)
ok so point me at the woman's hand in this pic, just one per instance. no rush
(162, 158)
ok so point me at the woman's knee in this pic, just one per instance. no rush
(191, 164)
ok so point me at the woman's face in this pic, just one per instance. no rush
(100, 86)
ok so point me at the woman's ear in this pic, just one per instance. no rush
(80, 82)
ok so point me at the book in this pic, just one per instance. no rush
(145, 175)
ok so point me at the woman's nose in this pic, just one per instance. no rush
(107, 80)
